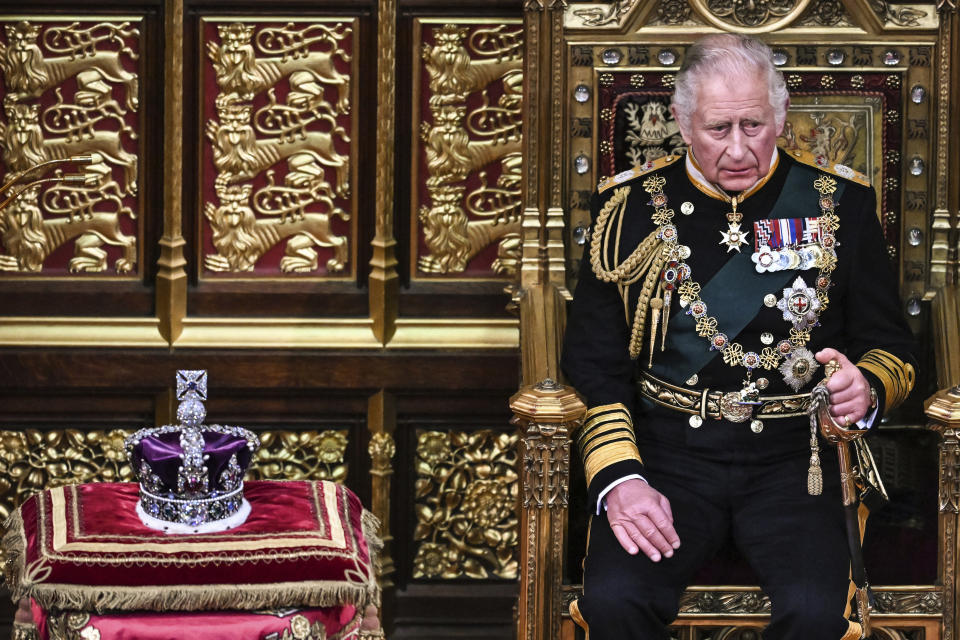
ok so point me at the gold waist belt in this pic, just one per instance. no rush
(717, 405)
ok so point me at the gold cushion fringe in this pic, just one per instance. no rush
(187, 597)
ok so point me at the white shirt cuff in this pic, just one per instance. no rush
(606, 490)
(867, 421)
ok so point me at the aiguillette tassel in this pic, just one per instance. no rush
(655, 304)
(667, 297)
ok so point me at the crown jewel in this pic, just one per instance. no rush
(191, 474)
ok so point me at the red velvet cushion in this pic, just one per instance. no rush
(82, 547)
(337, 623)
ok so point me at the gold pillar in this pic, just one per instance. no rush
(171, 293)
(943, 411)
(381, 422)
(542, 292)
(546, 414)
(945, 317)
(943, 265)
(384, 281)
(948, 126)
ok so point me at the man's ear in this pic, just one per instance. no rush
(683, 132)
(786, 108)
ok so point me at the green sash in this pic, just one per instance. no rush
(724, 292)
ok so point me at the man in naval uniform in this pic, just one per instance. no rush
(714, 288)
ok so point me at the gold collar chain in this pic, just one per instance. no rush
(797, 361)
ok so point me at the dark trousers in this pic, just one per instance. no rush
(796, 544)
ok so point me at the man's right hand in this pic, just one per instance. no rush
(640, 516)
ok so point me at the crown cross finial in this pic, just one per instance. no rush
(192, 381)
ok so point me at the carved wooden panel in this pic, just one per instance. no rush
(279, 163)
(72, 88)
(465, 499)
(467, 115)
(763, 16)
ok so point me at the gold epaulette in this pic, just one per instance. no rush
(639, 170)
(822, 163)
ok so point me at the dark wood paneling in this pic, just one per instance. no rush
(278, 298)
(443, 610)
(31, 297)
(89, 369)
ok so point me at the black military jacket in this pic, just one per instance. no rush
(862, 319)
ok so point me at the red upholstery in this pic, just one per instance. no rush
(83, 548)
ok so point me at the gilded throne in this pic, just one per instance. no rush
(870, 87)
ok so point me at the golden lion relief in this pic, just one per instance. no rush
(240, 71)
(463, 143)
(28, 74)
(240, 155)
(26, 146)
(29, 239)
(241, 238)
(83, 65)
(302, 130)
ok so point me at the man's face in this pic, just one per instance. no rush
(733, 130)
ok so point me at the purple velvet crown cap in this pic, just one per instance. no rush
(163, 453)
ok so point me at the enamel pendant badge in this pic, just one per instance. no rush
(733, 237)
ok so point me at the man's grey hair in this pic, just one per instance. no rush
(727, 55)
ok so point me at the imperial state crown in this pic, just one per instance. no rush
(191, 474)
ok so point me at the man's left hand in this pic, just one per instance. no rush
(849, 389)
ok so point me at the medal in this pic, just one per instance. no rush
(766, 259)
(789, 243)
(798, 369)
(800, 304)
(733, 237)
